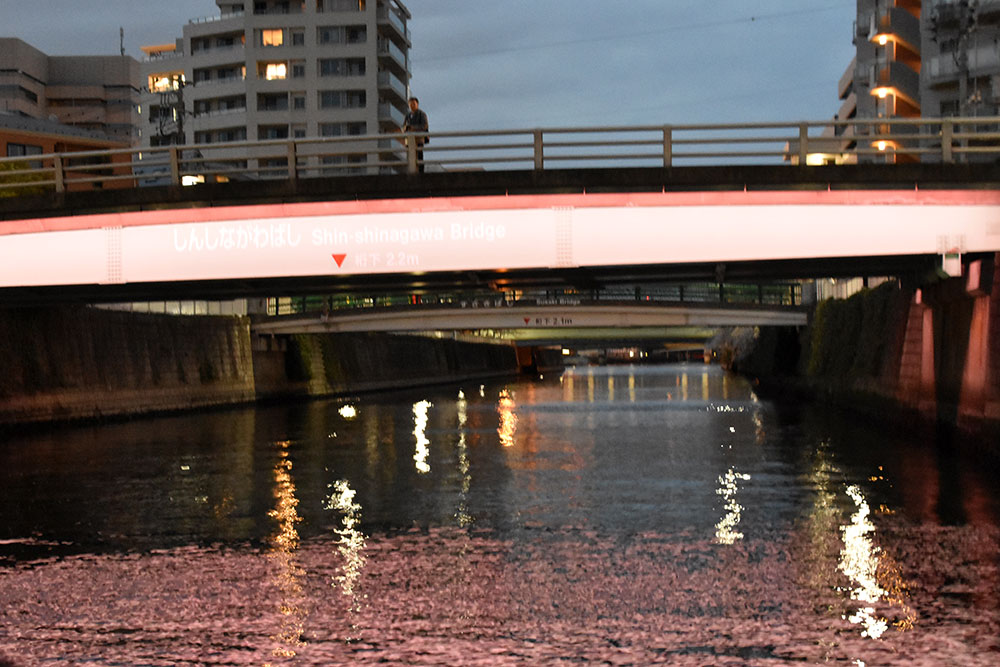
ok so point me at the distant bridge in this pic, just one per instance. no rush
(523, 319)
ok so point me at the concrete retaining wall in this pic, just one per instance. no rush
(73, 363)
(61, 364)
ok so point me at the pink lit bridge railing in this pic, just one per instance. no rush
(836, 142)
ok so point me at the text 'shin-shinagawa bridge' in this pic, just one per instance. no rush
(570, 210)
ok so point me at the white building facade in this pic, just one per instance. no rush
(281, 69)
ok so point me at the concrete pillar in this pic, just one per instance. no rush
(992, 398)
(916, 368)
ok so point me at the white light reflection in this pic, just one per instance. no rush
(419, 426)
(463, 516)
(508, 418)
(859, 561)
(284, 545)
(725, 530)
(348, 411)
(352, 541)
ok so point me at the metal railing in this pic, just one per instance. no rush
(744, 294)
(940, 140)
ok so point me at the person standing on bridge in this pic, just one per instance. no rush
(416, 121)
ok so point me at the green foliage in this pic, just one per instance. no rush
(10, 176)
(850, 338)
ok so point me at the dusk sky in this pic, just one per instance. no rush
(550, 63)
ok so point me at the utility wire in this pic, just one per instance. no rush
(648, 33)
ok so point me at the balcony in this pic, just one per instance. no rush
(899, 26)
(389, 82)
(390, 114)
(389, 20)
(895, 78)
(392, 55)
(942, 71)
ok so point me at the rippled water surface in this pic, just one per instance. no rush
(619, 515)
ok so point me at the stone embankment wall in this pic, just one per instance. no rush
(62, 364)
(333, 364)
(932, 354)
(72, 363)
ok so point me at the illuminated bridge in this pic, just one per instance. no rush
(501, 211)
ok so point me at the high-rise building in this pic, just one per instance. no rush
(936, 58)
(276, 69)
(92, 93)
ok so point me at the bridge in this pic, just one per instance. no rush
(764, 213)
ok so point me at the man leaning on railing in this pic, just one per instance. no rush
(416, 121)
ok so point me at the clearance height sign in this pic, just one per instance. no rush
(491, 233)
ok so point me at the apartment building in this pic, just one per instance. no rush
(91, 93)
(277, 69)
(936, 58)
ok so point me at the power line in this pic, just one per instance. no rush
(648, 33)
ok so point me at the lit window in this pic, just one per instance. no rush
(272, 38)
(276, 71)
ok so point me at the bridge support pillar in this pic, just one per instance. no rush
(916, 386)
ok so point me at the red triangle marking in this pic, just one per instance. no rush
(339, 259)
(527, 319)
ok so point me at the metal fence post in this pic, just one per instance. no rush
(175, 167)
(947, 137)
(411, 155)
(803, 142)
(60, 176)
(539, 156)
(668, 146)
(293, 162)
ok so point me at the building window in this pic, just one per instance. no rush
(22, 150)
(299, 131)
(265, 132)
(161, 83)
(275, 37)
(299, 101)
(341, 66)
(272, 101)
(298, 69)
(272, 71)
(342, 99)
(343, 129)
(298, 37)
(342, 34)
(340, 5)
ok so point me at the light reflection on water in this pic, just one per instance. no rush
(523, 523)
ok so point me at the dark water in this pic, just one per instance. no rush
(622, 515)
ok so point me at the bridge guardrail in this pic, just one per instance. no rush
(786, 294)
(944, 140)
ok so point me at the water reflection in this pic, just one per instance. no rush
(874, 576)
(419, 427)
(725, 529)
(284, 548)
(462, 514)
(351, 543)
(508, 418)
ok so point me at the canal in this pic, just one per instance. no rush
(617, 515)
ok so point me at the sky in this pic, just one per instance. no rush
(517, 64)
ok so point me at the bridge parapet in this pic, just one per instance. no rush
(853, 141)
